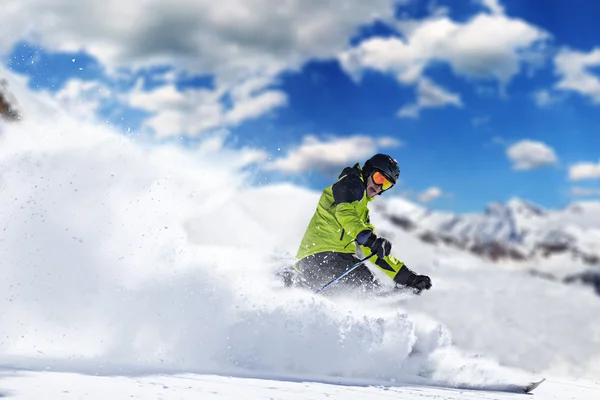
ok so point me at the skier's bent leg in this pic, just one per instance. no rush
(320, 268)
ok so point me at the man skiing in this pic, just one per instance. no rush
(341, 222)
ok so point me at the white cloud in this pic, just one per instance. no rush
(241, 40)
(529, 154)
(584, 192)
(572, 67)
(226, 38)
(494, 6)
(543, 98)
(244, 44)
(429, 95)
(584, 170)
(488, 46)
(175, 112)
(252, 100)
(83, 98)
(214, 143)
(430, 194)
(198, 110)
(388, 142)
(330, 155)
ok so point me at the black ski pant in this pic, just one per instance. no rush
(318, 269)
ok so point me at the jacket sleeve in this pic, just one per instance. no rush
(347, 216)
(391, 266)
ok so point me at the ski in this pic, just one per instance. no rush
(518, 388)
(503, 387)
(530, 387)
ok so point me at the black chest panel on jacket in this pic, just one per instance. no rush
(350, 188)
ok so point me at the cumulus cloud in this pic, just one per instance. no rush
(430, 194)
(328, 156)
(573, 69)
(488, 46)
(529, 154)
(174, 112)
(197, 110)
(429, 95)
(251, 99)
(584, 170)
(225, 38)
(241, 43)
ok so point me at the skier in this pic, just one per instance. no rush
(341, 223)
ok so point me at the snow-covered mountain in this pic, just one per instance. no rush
(516, 230)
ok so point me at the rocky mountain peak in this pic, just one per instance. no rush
(517, 230)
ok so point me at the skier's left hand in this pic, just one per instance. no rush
(378, 245)
(419, 283)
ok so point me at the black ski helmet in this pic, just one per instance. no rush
(384, 164)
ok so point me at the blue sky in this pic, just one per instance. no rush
(479, 101)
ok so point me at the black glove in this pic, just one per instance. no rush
(382, 247)
(378, 245)
(419, 282)
(407, 278)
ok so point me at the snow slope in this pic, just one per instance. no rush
(121, 257)
(52, 385)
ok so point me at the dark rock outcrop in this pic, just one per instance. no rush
(402, 222)
(8, 109)
(591, 278)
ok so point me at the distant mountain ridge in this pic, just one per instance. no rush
(516, 230)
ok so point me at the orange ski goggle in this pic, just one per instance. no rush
(381, 180)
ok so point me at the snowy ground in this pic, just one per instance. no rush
(128, 270)
(52, 385)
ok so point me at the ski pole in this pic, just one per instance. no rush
(352, 268)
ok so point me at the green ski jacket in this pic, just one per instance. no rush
(341, 214)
